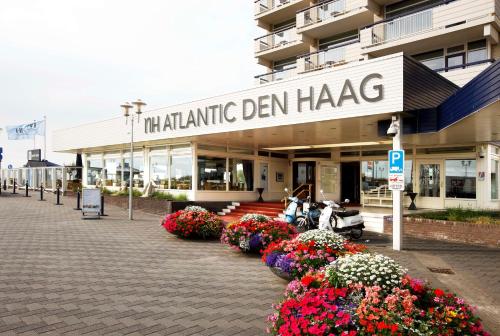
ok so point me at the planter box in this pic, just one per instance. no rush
(470, 233)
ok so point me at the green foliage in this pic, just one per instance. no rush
(463, 215)
(106, 191)
(135, 193)
(168, 196)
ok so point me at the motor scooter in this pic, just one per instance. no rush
(310, 216)
(335, 217)
(292, 208)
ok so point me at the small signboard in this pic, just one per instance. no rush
(91, 202)
(397, 170)
(35, 155)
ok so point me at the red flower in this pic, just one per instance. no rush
(438, 292)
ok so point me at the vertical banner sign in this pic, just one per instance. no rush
(397, 170)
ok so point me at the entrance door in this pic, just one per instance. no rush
(304, 173)
(263, 176)
(349, 183)
(430, 184)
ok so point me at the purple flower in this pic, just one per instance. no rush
(255, 242)
(283, 263)
(271, 258)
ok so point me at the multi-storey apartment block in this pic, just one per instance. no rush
(456, 38)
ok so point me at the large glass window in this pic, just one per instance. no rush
(433, 59)
(181, 165)
(48, 178)
(373, 174)
(430, 180)
(477, 51)
(461, 178)
(110, 174)
(211, 173)
(158, 164)
(240, 175)
(137, 172)
(94, 169)
(495, 166)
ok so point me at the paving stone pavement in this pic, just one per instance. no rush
(61, 275)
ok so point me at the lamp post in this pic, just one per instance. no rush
(126, 112)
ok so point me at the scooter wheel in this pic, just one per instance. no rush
(356, 233)
(301, 224)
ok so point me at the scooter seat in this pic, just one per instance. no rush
(347, 213)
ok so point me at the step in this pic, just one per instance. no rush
(260, 211)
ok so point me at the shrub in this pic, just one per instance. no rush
(135, 193)
(193, 224)
(366, 269)
(195, 208)
(310, 251)
(162, 195)
(106, 191)
(251, 235)
(256, 217)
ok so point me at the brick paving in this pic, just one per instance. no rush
(60, 274)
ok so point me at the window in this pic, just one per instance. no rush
(158, 164)
(240, 175)
(373, 174)
(409, 6)
(339, 40)
(461, 179)
(48, 178)
(455, 57)
(433, 59)
(211, 173)
(181, 165)
(111, 176)
(495, 169)
(137, 172)
(477, 51)
(94, 169)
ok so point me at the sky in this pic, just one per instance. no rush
(77, 61)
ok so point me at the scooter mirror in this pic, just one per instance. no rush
(321, 191)
(286, 190)
(347, 200)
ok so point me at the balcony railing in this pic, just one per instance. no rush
(276, 39)
(402, 27)
(447, 13)
(262, 6)
(276, 75)
(326, 11)
(333, 56)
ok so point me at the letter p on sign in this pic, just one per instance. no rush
(396, 161)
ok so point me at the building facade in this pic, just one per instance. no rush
(317, 119)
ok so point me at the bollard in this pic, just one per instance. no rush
(102, 206)
(58, 196)
(41, 193)
(26, 194)
(4, 184)
(14, 187)
(78, 195)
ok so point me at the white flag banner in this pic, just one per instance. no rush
(26, 131)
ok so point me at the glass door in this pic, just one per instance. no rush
(430, 184)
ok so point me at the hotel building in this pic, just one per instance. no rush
(334, 74)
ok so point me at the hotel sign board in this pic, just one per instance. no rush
(397, 170)
(354, 90)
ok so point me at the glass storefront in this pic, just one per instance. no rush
(94, 170)
(374, 174)
(430, 180)
(110, 174)
(461, 179)
(181, 165)
(158, 164)
(211, 173)
(240, 175)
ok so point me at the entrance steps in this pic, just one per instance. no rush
(235, 210)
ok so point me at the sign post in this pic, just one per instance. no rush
(397, 185)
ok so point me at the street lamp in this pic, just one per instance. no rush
(126, 113)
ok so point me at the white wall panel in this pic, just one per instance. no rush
(114, 131)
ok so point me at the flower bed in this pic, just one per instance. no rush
(193, 222)
(319, 304)
(253, 233)
(310, 251)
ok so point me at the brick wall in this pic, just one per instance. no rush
(481, 234)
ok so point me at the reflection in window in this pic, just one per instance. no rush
(430, 177)
(137, 172)
(94, 169)
(240, 175)
(111, 177)
(433, 59)
(211, 173)
(373, 174)
(461, 178)
(494, 179)
(477, 51)
(181, 165)
(158, 163)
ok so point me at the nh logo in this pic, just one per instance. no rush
(396, 161)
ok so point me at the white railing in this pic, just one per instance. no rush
(329, 57)
(402, 27)
(262, 6)
(276, 75)
(321, 12)
(276, 39)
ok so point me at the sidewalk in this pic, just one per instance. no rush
(61, 274)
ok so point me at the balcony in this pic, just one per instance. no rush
(279, 45)
(276, 75)
(268, 12)
(319, 21)
(460, 20)
(329, 58)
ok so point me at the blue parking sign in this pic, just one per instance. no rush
(396, 161)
